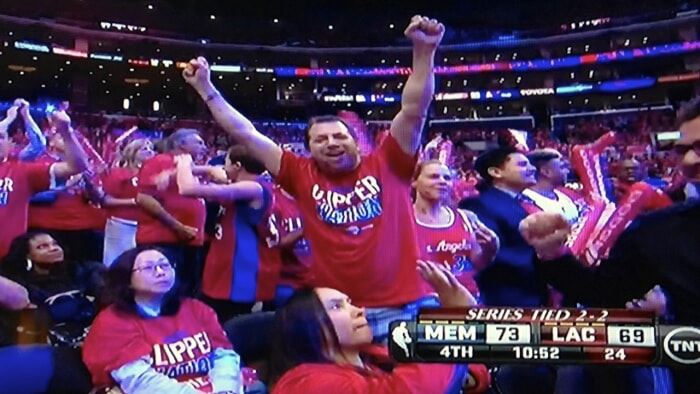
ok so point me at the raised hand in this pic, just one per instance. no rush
(423, 31)
(23, 106)
(547, 233)
(197, 73)
(451, 292)
(60, 120)
(485, 237)
(12, 112)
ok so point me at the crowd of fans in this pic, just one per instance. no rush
(185, 256)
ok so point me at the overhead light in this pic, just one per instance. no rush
(330, 27)
(212, 17)
(156, 106)
(150, 7)
(391, 25)
(275, 20)
(126, 103)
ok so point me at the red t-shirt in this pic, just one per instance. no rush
(180, 345)
(189, 211)
(71, 210)
(296, 259)
(451, 244)
(121, 182)
(360, 225)
(404, 378)
(18, 182)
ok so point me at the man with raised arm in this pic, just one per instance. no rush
(356, 210)
(20, 180)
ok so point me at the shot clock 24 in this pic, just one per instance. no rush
(541, 335)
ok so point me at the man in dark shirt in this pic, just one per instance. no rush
(661, 248)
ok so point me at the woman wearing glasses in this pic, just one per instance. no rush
(152, 340)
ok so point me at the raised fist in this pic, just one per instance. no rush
(23, 106)
(547, 233)
(424, 31)
(197, 73)
(12, 112)
(60, 120)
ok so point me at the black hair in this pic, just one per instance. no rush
(540, 158)
(304, 333)
(118, 290)
(326, 119)
(240, 154)
(14, 264)
(492, 158)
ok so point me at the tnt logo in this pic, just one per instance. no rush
(682, 345)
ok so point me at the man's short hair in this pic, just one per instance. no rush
(241, 154)
(688, 112)
(326, 119)
(541, 157)
(178, 136)
(492, 158)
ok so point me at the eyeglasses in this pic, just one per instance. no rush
(682, 149)
(151, 268)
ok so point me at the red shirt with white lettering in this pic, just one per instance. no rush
(360, 225)
(296, 258)
(189, 211)
(120, 182)
(71, 210)
(452, 244)
(18, 182)
(180, 345)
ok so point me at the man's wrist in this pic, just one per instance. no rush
(208, 92)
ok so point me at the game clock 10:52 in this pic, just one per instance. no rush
(536, 353)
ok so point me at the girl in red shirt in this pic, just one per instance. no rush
(447, 235)
(323, 345)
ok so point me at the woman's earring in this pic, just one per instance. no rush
(30, 264)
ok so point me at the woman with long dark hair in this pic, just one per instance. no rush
(150, 339)
(323, 345)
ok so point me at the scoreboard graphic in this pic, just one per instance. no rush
(540, 335)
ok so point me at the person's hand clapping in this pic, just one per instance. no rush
(423, 31)
(451, 292)
(547, 233)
